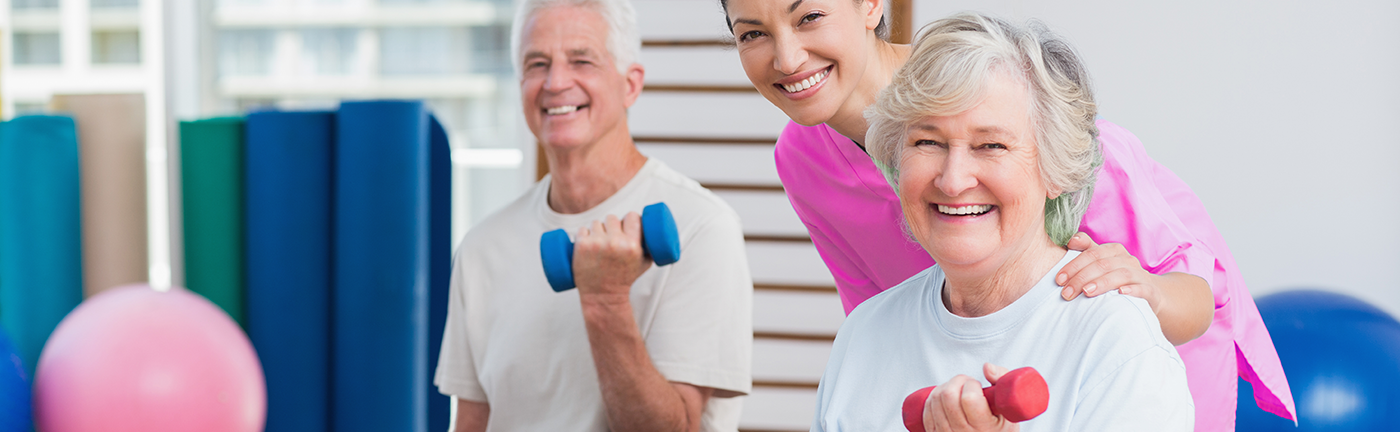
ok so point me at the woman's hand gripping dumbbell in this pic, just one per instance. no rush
(657, 238)
(1017, 396)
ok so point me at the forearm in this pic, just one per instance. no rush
(471, 416)
(1187, 306)
(637, 396)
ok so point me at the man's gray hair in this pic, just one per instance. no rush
(624, 40)
(948, 73)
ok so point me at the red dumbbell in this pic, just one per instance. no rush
(1019, 395)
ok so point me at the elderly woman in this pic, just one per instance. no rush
(987, 134)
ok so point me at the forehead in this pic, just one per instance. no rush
(753, 9)
(565, 28)
(1004, 110)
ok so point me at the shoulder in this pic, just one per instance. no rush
(898, 299)
(1117, 329)
(688, 200)
(506, 224)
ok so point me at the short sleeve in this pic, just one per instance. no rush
(1129, 208)
(1147, 392)
(456, 373)
(702, 331)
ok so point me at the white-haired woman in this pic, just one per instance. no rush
(987, 135)
(824, 61)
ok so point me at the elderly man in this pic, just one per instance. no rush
(636, 347)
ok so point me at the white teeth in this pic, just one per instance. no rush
(964, 210)
(562, 109)
(805, 84)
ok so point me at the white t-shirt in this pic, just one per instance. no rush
(1105, 359)
(514, 343)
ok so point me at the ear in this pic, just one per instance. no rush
(1052, 193)
(635, 76)
(874, 10)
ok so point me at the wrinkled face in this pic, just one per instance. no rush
(805, 56)
(970, 183)
(570, 88)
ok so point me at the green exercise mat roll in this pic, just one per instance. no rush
(211, 179)
(112, 151)
(41, 261)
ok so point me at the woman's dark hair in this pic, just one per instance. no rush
(882, 31)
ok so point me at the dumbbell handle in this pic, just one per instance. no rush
(1018, 396)
(659, 243)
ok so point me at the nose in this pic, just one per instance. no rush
(959, 173)
(790, 55)
(560, 78)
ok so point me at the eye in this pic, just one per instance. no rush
(926, 143)
(811, 17)
(535, 64)
(996, 146)
(750, 35)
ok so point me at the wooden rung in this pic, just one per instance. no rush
(785, 384)
(778, 238)
(794, 336)
(742, 187)
(771, 430)
(703, 140)
(699, 88)
(798, 288)
(689, 43)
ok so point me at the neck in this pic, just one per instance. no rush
(983, 288)
(584, 176)
(885, 59)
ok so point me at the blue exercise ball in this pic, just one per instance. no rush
(15, 408)
(1342, 359)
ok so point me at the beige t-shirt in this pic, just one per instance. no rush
(514, 343)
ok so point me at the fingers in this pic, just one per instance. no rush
(957, 405)
(1099, 269)
(1080, 242)
(993, 372)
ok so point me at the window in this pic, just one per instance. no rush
(491, 49)
(245, 52)
(423, 51)
(36, 48)
(33, 4)
(114, 4)
(328, 51)
(116, 47)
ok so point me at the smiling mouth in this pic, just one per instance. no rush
(806, 83)
(561, 110)
(967, 210)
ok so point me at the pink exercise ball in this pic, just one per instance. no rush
(136, 359)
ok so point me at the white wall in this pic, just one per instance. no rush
(1281, 115)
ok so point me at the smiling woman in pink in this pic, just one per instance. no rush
(823, 62)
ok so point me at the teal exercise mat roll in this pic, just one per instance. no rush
(379, 311)
(288, 220)
(211, 190)
(41, 261)
(439, 264)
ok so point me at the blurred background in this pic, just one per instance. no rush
(1280, 114)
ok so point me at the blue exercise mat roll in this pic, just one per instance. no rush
(41, 260)
(439, 264)
(380, 311)
(287, 184)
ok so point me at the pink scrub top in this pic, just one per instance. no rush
(853, 216)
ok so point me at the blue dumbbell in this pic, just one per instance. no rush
(660, 241)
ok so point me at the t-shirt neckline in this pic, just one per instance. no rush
(998, 322)
(598, 212)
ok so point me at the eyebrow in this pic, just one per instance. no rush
(981, 130)
(794, 5)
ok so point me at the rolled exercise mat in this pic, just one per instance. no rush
(112, 155)
(288, 208)
(439, 264)
(211, 175)
(381, 267)
(41, 258)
